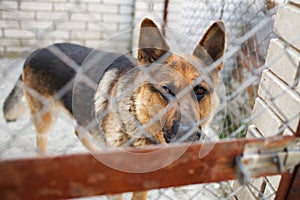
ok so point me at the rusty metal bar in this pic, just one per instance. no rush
(165, 17)
(81, 175)
(294, 190)
(288, 179)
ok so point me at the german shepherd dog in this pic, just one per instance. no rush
(45, 74)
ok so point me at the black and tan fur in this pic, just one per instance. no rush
(45, 74)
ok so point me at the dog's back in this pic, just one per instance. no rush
(46, 80)
(46, 71)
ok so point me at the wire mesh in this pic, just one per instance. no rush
(113, 26)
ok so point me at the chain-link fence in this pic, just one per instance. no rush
(167, 95)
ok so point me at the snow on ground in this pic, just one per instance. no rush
(17, 140)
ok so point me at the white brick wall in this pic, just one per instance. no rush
(283, 61)
(265, 119)
(280, 98)
(31, 6)
(9, 4)
(17, 15)
(33, 24)
(278, 101)
(289, 29)
(49, 16)
(111, 9)
(15, 33)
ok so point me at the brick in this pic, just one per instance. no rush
(103, 27)
(159, 7)
(90, 1)
(15, 33)
(247, 193)
(94, 26)
(58, 6)
(141, 5)
(119, 2)
(35, 24)
(9, 4)
(283, 61)
(126, 9)
(96, 17)
(29, 42)
(17, 49)
(44, 6)
(110, 27)
(124, 36)
(117, 18)
(281, 98)
(80, 17)
(102, 8)
(18, 15)
(51, 15)
(287, 131)
(98, 26)
(125, 26)
(57, 41)
(80, 42)
(266, 121)
(173, 24)
(123, 45)
(7, 42)
(9, 24)
(70, 26)
(58, 34)
(53, 0)
(175, 6)
(3, 52)
(287, 24)
(273, 182)
(82, 35)
(298, 88)
(92, 43)
(253, 132)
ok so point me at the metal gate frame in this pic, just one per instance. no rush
(81, 175)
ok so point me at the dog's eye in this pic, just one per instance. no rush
(168, 91)
(200, 92)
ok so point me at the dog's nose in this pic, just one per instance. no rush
(189, 134)
(182, 133)
(196, 137)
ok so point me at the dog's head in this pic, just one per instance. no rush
(178, 94)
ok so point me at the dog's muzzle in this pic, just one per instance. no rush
(179, 134)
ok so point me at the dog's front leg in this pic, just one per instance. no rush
(142, 195)
(156, 130)
(41, 142)
(160, 137)
(115, 197)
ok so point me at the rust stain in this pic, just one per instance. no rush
(151, 184)
(191, 171)
(49, 192)
(79, 189)
(94, 178)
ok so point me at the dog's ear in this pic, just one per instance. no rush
(152, 45)
(213, 42)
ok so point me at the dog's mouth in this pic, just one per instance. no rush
(177, 137)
